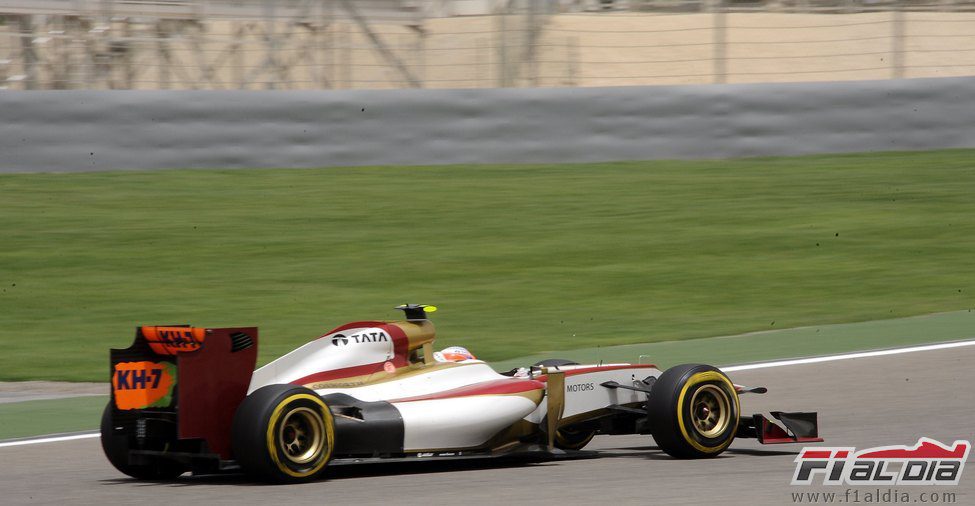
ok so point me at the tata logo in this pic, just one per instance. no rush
(362, 337)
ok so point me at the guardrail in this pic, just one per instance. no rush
(338, 44)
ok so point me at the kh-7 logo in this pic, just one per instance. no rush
(174, 340)
(138, 385)
(137, 379)
(361, 337)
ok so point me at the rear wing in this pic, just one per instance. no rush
(182, 384)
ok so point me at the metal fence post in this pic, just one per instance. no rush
(572, 61)
(720, 43)
(532, 38)
(897, 41)
(27, 55)
(502, 49)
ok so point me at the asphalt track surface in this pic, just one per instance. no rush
(864, 402)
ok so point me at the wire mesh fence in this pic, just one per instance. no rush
(315, 44)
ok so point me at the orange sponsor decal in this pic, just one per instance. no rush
(139, 385)
(172, 340)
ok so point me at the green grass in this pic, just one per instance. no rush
(775, 344)
(520, 259)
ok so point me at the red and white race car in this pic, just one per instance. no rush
(188, 399)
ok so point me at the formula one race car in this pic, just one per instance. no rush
(188, 399)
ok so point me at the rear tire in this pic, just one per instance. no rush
(116, 448)
(693, 411)
(283, 434)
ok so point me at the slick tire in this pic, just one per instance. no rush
(283, 434)
(693, 411)
(116, 448)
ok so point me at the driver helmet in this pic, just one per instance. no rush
(454, 354)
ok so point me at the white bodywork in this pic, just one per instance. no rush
(583, 393)
(327, 353)
(464, 422)
(452, 419)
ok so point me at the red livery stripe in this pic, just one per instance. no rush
(493, 387)
(345, 372)
(401, 345)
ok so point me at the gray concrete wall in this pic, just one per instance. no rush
(110, 130)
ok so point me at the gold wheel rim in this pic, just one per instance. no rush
(710, 411)
(301, 436)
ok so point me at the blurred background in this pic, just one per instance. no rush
(343, 44)
(579, 253)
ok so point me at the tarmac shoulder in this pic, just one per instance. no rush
(19, 391)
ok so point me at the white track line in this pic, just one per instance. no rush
(49, 439)
(848, 356)
(746, 367)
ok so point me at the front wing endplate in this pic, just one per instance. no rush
(800, 427)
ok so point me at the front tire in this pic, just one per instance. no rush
(283, 434)
(693, 411)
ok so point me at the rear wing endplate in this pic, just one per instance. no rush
(186, 377)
